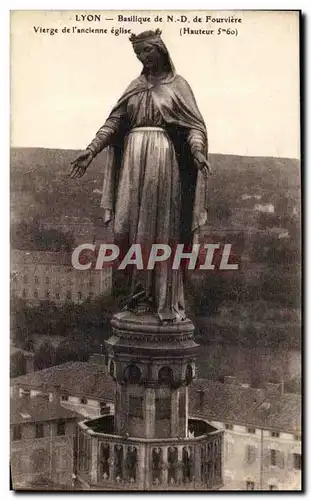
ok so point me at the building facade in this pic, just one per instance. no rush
(262, 434)
(43, 442)
(50, 276)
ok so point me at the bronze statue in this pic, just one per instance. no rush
(156, 170)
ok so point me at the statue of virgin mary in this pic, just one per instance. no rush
(154, 145)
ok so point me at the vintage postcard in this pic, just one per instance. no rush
(155, 251)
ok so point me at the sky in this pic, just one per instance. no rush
(63, 86)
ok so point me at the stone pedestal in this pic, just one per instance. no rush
(150, 447)
(152, 364)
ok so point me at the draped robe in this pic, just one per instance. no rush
(152, 189)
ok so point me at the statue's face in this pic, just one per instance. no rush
(148, 55)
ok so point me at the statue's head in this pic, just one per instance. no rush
(151, 50)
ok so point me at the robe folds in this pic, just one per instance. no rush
(152, 191)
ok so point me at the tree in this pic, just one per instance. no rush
(17, 364)
(45, 356)
(72, 350)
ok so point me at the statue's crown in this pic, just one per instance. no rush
(146, 35)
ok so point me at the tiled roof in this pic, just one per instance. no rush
(247, 406)
(221, 402)
(37, 410)
(76, 378)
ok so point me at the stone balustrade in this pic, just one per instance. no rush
(109, 461)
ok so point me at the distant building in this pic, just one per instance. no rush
(247, 196)
(267, 208)
(38, 276)
(262, 427)
(43, 437)
(279, 232)
(83, 230)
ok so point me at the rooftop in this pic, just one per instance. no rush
(231, 403)
(75, 377)
(235, 404)
(37, 410)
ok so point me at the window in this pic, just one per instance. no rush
(57, 296)
(136, 407)
(166, 375)
(250, 485)
(251, 430)
(163, 408)
(24, 292)
(250, 454)
(25, 393)
(39, 431)
(65, 397)
(35, 294)
(36, 280)
(47, 280)
(273, 487)
(91, 283)
(83, 401)
(47, 294)
(104, 409)
(91, 294)
(297, 461)
(68, 294)
(39, 459)
(132, 374)
(277, 458)
(275, 434)
(229, 427)
(25, 279)
(79, 295)
(273, 457)
(297, 438)
(61, 428)
(17, 432)
(229, 447)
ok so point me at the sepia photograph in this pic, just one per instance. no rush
(155, 251)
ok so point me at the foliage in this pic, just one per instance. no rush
(17, 364)
(45, 356)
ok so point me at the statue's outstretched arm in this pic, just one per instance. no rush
(107, 131)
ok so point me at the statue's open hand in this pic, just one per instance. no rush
(202, 164)
(80, 164)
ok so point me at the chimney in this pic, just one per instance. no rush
(57, 393)
(201, 398)
(97, 378)
(282, 388)
(29, 358)
(229, 380)
(97, 359)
